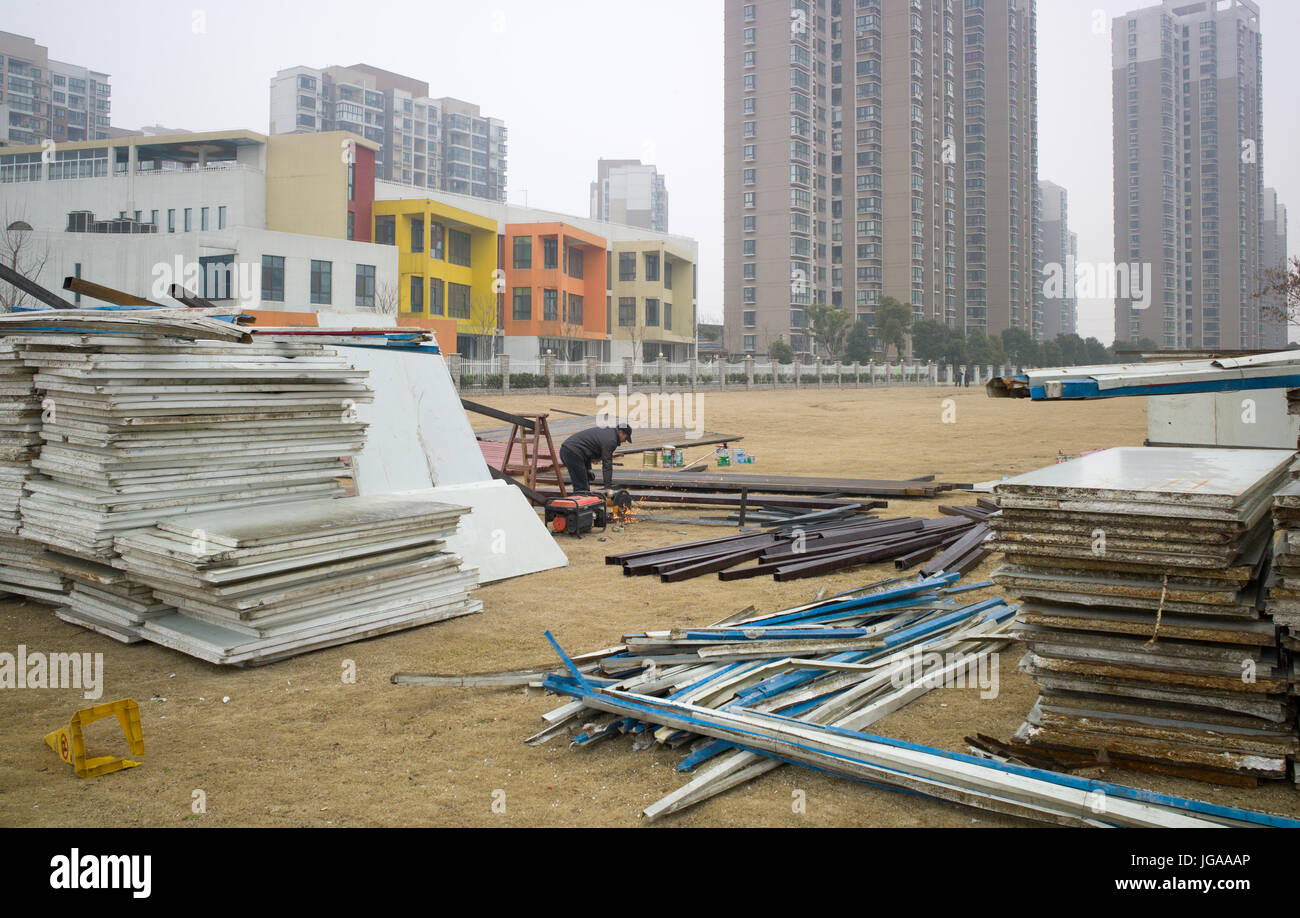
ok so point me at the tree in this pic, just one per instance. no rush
(386, 299)
(983, 350)
(1021, 348)
(481, 323)
(859, 346)
(22, 252)
(829, 325)
(781, 351)
(1097, 352)
(1052, 354)
(1284, 283)
(930, 339)
(1073, 351)
(893, 321)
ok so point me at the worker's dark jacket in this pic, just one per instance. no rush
(590, 445)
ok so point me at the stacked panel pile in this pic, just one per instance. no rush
(259, 584)
(103, 599)
(138, 428)
(1284, 583)
(1141, 574)
(20, 438)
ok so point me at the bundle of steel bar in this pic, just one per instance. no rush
(754, 692)
(818, 545)
(141, 426)
(687, 480)
(735, 499)
(255, 585)
(1140, 572)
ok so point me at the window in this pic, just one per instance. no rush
(668, 274)
(550, 305)
(575, 309)
(574, 260)
(523, 253)
(417, 234)
(203, 219)
(458, 248)
(550, 253)
(751, 246)
(321, 282)
(221, 217)
(652, 266)
(189, 219)
(366, 286)
(386, 230)
(651, 311)
(749, 342)
(214, 276)
(626, 311)
(417, 293)
(458, 301)
(668, 316)
(171, 220)
(153, 217)
(435, 296)
(523, 300)
(351, 225)
(751, 198)
(750, 318)
(272, 275)
(627, 266)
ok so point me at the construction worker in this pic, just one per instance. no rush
(579, 451)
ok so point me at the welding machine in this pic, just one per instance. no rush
(576, 514)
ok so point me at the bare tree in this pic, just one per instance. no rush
(386, 299)
(482, 322)
(22, 251)
(1283, 285)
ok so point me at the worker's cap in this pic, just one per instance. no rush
(626, 429)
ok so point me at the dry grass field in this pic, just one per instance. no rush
(292, 745)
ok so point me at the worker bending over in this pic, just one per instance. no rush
(579, 451)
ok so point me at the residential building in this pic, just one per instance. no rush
(1273, 321)
(437, 143)
(878, 149)
(658, 297)
(44, 99)
(630, 192)
(1059, 264)
(1188, 173)
(230, 215)
(447, 267)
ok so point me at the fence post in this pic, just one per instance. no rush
(857, 374)
(548, 367)
(749, 371)
(591, 372)
(798, 371)
(662, 364)
(695, 371)
(505, 372)
(453, 367)
(627, 372)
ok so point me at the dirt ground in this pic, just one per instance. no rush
(292, 744)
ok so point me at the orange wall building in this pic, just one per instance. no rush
(555, 287)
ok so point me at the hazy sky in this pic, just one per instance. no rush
(579, 79)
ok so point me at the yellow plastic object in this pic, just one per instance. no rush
(70, 743)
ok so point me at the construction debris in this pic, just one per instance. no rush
(817, 543)
(753, 692)
(1140, 573)
(651, 479)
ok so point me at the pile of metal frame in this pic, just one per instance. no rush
(20, 438)
(142, 426)
(822, 542)
(255, 585)
(1140, 571)
(1283, 603)
(754, 484)
(1276, 370)
(754, 692)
